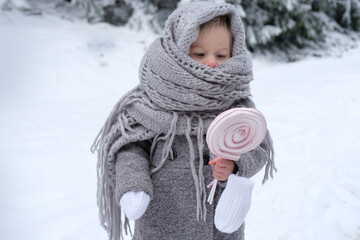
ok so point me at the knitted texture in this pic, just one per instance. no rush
(234, 204)
(134, 204)
(176, 96)
(174, 81)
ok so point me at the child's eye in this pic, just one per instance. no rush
(221, 56)
(199, 54)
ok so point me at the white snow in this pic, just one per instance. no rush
(59, 79)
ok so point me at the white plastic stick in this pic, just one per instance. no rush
(212, 191)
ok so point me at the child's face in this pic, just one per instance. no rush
(212, 47)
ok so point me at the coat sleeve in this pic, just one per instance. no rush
(253, 161)
(132, 169)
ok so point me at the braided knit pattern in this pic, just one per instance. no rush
(176, 96)
(174, 81)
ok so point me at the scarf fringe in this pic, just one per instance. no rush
(169, 139)
(270, 165)
(200, 139)
(199, 210)
(124, 101)
(109, 210)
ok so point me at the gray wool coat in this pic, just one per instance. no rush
(171, 213)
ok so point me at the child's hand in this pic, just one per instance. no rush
(223, 168)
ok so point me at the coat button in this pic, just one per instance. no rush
(174, 155)
(206, 159)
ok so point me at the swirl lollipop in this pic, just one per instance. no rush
(233, 133)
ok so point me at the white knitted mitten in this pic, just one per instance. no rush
(234, 204)
(134, 204)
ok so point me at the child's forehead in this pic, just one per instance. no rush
(218, 37)
(214, 28)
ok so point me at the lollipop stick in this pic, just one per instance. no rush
(210, 184)
(212, 191)
(214, 182)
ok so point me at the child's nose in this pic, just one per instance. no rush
(211, 62)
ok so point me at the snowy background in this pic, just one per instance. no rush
(59, 79)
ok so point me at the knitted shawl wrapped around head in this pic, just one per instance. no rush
(176, 96)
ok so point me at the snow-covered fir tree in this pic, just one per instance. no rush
(291, 29)
(287, 29)
(113, 11)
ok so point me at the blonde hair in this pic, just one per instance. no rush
(219, 21)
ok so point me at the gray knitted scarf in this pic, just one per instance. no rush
(176, 96)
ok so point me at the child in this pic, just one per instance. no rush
(153, 162)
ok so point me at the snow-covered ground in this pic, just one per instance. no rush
(59, 80)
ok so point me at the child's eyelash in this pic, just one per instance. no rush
(199, 54)
(221, 56)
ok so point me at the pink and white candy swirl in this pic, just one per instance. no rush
(236, 131)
